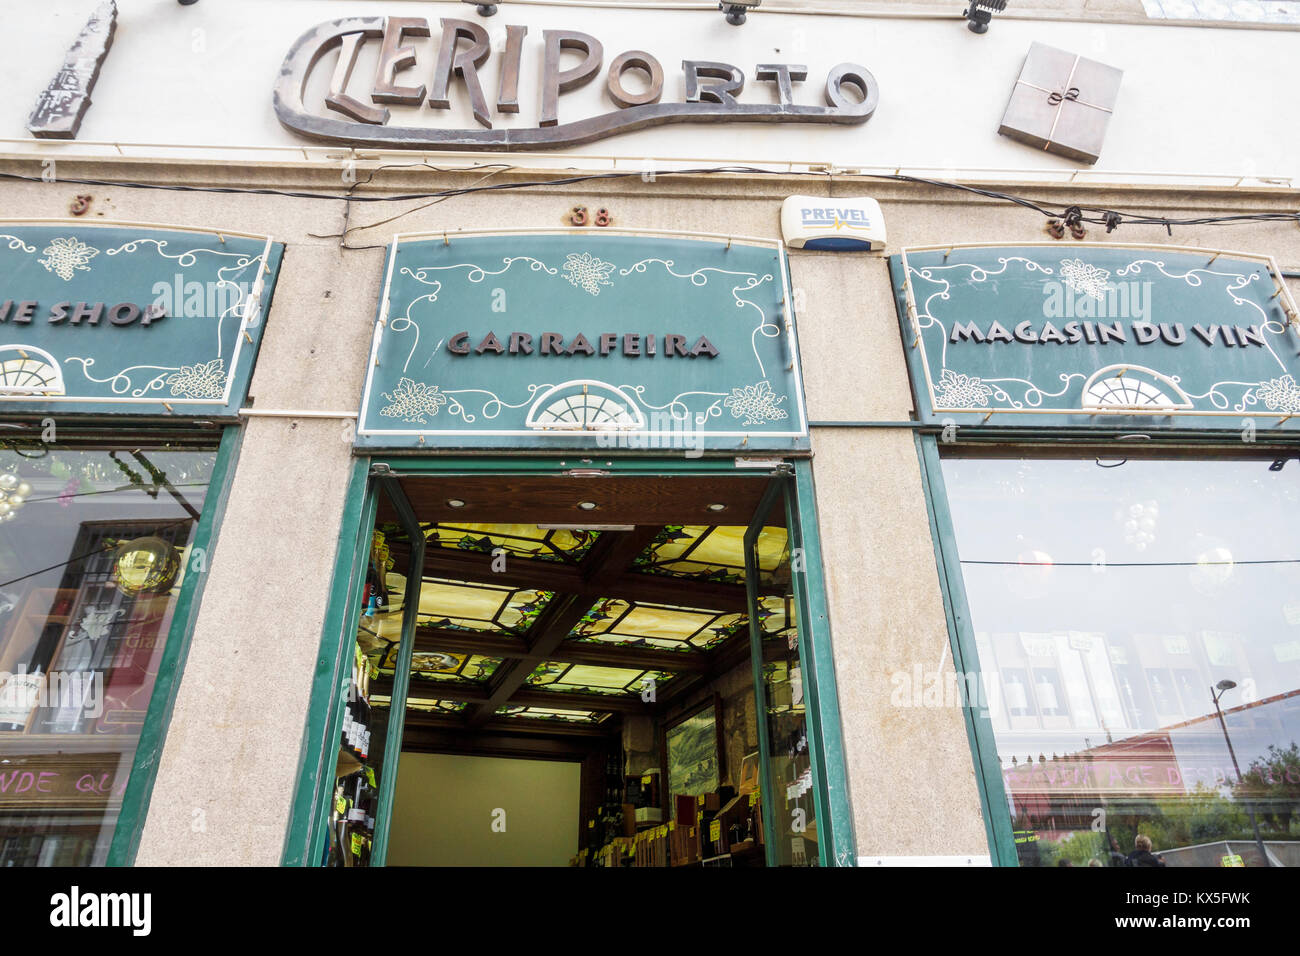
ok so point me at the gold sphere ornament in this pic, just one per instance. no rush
(145, 565)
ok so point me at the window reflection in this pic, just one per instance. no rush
(1117, 608)
(94, 547)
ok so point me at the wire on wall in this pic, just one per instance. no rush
(1110, 218)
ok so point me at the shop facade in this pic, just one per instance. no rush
(1009, 511)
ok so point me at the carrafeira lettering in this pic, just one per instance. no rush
(712, 89)
(627, 344)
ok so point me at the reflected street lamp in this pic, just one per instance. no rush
(1223, 687)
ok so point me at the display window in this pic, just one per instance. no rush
(1135, 623)
(605, 671)
(102, 544)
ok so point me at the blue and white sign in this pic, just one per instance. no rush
(836, 225)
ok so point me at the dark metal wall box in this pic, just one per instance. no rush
(1062, 103)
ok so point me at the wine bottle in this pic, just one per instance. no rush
(20, 694)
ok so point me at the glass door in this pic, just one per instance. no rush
(791, 798)
(370, 738)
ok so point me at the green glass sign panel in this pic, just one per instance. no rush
(1098, 334)
(129, 319)
(584, 340)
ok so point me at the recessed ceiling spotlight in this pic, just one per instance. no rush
(587, 505)
(455, 503)
(717, 507)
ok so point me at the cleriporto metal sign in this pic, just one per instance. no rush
(712, 90)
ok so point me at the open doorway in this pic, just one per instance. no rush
(602, 671)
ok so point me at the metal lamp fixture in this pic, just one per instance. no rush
(980, 14)
(483, 9)
(1223, 687)
(736, 10)
(144, 565)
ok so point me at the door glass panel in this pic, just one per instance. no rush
(95, 545)
(1138, 633)
(789, 796)
(360, 765)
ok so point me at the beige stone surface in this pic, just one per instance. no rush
(849, 340)
(231, 755)
(911, 774)
(230, 762)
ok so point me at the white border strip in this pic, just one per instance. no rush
(878, 861)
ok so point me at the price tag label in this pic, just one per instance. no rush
(715, 831)
(645, 780)
(753, 798)
(341, 805)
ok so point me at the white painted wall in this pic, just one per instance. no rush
(1194, 100)
(443, 812)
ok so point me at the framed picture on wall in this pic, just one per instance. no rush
(693, 750)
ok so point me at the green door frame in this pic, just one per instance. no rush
(153, 734)
(965, 659)
(306, 835)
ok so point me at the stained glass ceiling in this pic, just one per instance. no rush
(459, 605)
(440, 665)
(623, 624)
(552, 713)
(588, 679)
(606, 612)
(526, 540)
(715, 553)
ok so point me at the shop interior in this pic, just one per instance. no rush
(581, 682)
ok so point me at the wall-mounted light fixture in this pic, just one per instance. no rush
(484, 9)
(980, 14)
(737, 9)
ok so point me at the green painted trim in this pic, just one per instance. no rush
(836, 844)
(979, 728)
(304, 841)
(869, 424)
(767, 786)
(555, 465)
(402, 666)
(153, 735)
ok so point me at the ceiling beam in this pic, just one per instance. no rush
(527, 696)
(475, 567)
(553, 625)
(429, 639)
(505, 738)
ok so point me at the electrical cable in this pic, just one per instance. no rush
(1096, 215)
